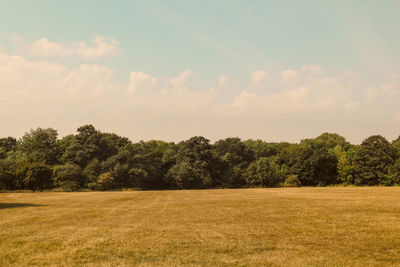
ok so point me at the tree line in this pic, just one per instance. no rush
(93, 160)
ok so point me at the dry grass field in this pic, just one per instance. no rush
(243, 227)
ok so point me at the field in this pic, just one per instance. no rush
(242, 227)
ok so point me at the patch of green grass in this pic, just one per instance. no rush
(334, 226)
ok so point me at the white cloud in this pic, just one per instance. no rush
(44, 47)
(90, 80)
(180, 80)
(101, 47)
(223, 79)
(41, 80)
(303, 90)
(139, 81)
(387, 89)
(254, 102)
(290, 77)
(259, 76)
(47, 94)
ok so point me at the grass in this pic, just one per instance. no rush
(244, 227)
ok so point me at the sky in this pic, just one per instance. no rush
(170, 70)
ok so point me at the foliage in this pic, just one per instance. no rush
(315, 163)
(39, 145)
(91, 159)
(292, 181)
(69, 177)
(7, 174)
(106, 180)
(36, 176)
(264, 172)
(373, 161)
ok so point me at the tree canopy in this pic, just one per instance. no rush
(94, 160)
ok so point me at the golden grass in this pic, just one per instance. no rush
(243, 227)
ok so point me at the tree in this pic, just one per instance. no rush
(346, 167)
(92, 170)
(315, 163)
(36, 176)
(332, 140)
(69, 177)
(106, 180)
(185, 175)
(7, 174)
(6, 145)
(235, 157)
(393, 177)
(193, 168)
(261, 148)
(39, 145)
(292, 181)
(265, 172)
(373, 161)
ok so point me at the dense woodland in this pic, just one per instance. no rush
(93, 160)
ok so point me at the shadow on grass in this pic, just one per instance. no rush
(17, 205)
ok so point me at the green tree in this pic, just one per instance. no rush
(292, 181)
(186, 175)
(194, 166)
(39, 145)
(106, 180)
(315, 163)
(264, 172)
(35, 176)
(261, 148)
(68, 177)
(373, 161)
(7, 174)
(235, 158)
(346, 167)
(6, 145)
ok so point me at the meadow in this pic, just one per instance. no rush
(331, 226)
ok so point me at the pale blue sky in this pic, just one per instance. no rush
(215, 38)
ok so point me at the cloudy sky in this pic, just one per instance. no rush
(274, 70)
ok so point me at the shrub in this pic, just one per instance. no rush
(95, 187)
(292, 181)
(106, 180)
(69, 186)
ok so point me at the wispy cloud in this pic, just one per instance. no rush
(100, 47)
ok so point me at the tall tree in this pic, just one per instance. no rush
(235, 158)
(193, 168)
(373, 161)
(39, 145)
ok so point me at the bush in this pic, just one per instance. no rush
(95, 187)
(106, 180)
(69, 186)
(292, 181)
